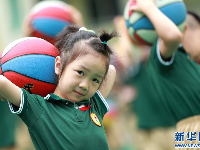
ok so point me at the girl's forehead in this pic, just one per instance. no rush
(91, 63)
(86, 49)
(93, 57)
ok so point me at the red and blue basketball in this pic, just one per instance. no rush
(48, 18)
(29, 63)
(141, 30)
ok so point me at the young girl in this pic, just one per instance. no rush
(48, 32)
(71, 117)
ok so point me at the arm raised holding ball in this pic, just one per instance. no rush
(168, 32)
(10, 91)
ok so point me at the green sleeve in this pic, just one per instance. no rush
(100, 104)
(156, 60)
(30, 108)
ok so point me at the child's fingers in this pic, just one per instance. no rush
(135, 5)
(139, 5)
(133, 8)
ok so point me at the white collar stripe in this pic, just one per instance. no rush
(21, 105)
(103, 100)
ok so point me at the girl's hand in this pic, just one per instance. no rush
(142, 5)
(108, 82)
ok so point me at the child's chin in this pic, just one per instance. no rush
(75, 99)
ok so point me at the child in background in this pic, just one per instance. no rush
(191, 124)
(171, 66)
(172, 70)
(71, 117)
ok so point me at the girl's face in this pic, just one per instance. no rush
(80, 78)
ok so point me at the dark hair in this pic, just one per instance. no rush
(195, 15)
(72, 43)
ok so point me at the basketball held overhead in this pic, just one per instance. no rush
(141, 30)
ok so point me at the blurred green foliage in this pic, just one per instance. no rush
(193, 5)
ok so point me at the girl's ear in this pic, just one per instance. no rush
(185, 29)
(58, 65)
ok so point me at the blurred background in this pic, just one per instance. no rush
(96, 14)
(120, 123)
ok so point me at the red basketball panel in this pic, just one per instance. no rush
(132, 3)
(142, 41)
(135, 42)
(53, 12)
(40, 88)
(31, 46)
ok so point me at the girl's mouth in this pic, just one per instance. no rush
(78, 93)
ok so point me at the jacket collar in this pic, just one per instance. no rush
(53, 98)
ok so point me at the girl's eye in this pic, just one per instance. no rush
(96, 81)
(81, 73)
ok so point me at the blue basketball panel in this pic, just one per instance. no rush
(143, 23)
(39, 67)
(176, 12)
(127, 23)
(49, 26)
(170, 11)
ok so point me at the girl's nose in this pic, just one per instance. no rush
(84, 84)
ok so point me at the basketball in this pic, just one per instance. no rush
(48, 18)
(29, 63)
(141, 30)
